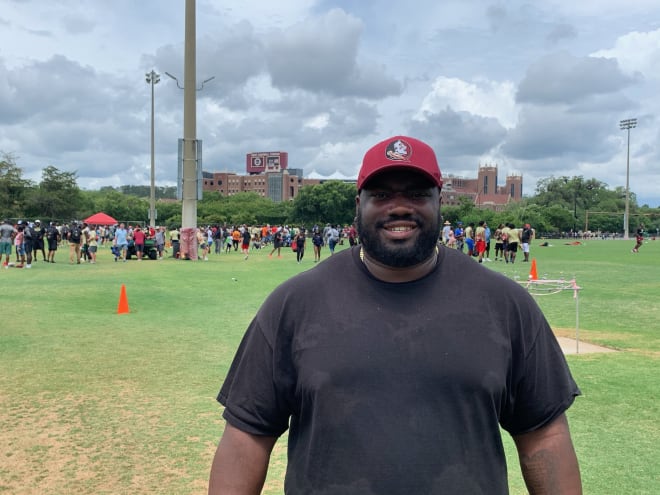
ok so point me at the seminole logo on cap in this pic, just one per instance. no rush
(398, 150)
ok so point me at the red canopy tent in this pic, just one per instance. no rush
(100, 219)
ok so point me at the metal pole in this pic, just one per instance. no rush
(627, 125)
(626, 214)
(577, 322)
(152, 78)
(189, 188)
(152, 195)
(575, 210)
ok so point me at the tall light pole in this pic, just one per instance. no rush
(189, 186)
(152, 78)
(190, 147)
(627, 124)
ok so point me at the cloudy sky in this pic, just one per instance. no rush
(537, 88)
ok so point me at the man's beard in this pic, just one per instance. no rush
(399, 255)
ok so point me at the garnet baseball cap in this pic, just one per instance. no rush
(400, 152)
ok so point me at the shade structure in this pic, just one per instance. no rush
(100, 219)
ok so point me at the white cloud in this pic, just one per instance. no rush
(481, 97)
(636, 53)
(318, 122)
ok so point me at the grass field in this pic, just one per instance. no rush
(96, 402)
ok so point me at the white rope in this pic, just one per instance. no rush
(544, 287)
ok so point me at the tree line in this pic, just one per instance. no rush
(559, 205)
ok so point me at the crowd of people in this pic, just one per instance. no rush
(477, 240)
(31, 241)
(225, 239)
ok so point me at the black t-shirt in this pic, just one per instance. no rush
(397, 388)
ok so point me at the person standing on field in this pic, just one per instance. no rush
(385, 383)
(74, 236)
(53, 239)
(512, 242)
(139, 238)
(38, 241)
(7, 233)
(480, 240)
(245, 244)
(300, 239)
(526, 238)
(160, 241)
(28, 245)
(639, 238)
(469, 239)
(446, 228)
(19, 243)
(333, 239)
(277, 244)
(121, 241)
(504, 235)
(317, 243)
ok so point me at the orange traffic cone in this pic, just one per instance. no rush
(123, 301)
(532, 273)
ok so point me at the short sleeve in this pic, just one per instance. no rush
(542, 387)
(249, 392)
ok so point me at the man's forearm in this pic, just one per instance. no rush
(548, 461)
(545, 473)
(240, 463)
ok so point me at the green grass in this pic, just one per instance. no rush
(96, 402)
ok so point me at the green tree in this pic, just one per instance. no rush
(123, 207)
(331, 202)
(58, 196)
(576, 196)
(168, 213)
(243, 208)
(13, 188)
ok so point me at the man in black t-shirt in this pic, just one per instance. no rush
(386, 384)
(38, 240)
(277, 243)
(53, 238)
(526, 236)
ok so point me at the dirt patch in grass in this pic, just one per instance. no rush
(77, 444)
(36, 446)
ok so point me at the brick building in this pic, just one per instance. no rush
(483, 191)
(269, 176)
(278, 186)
